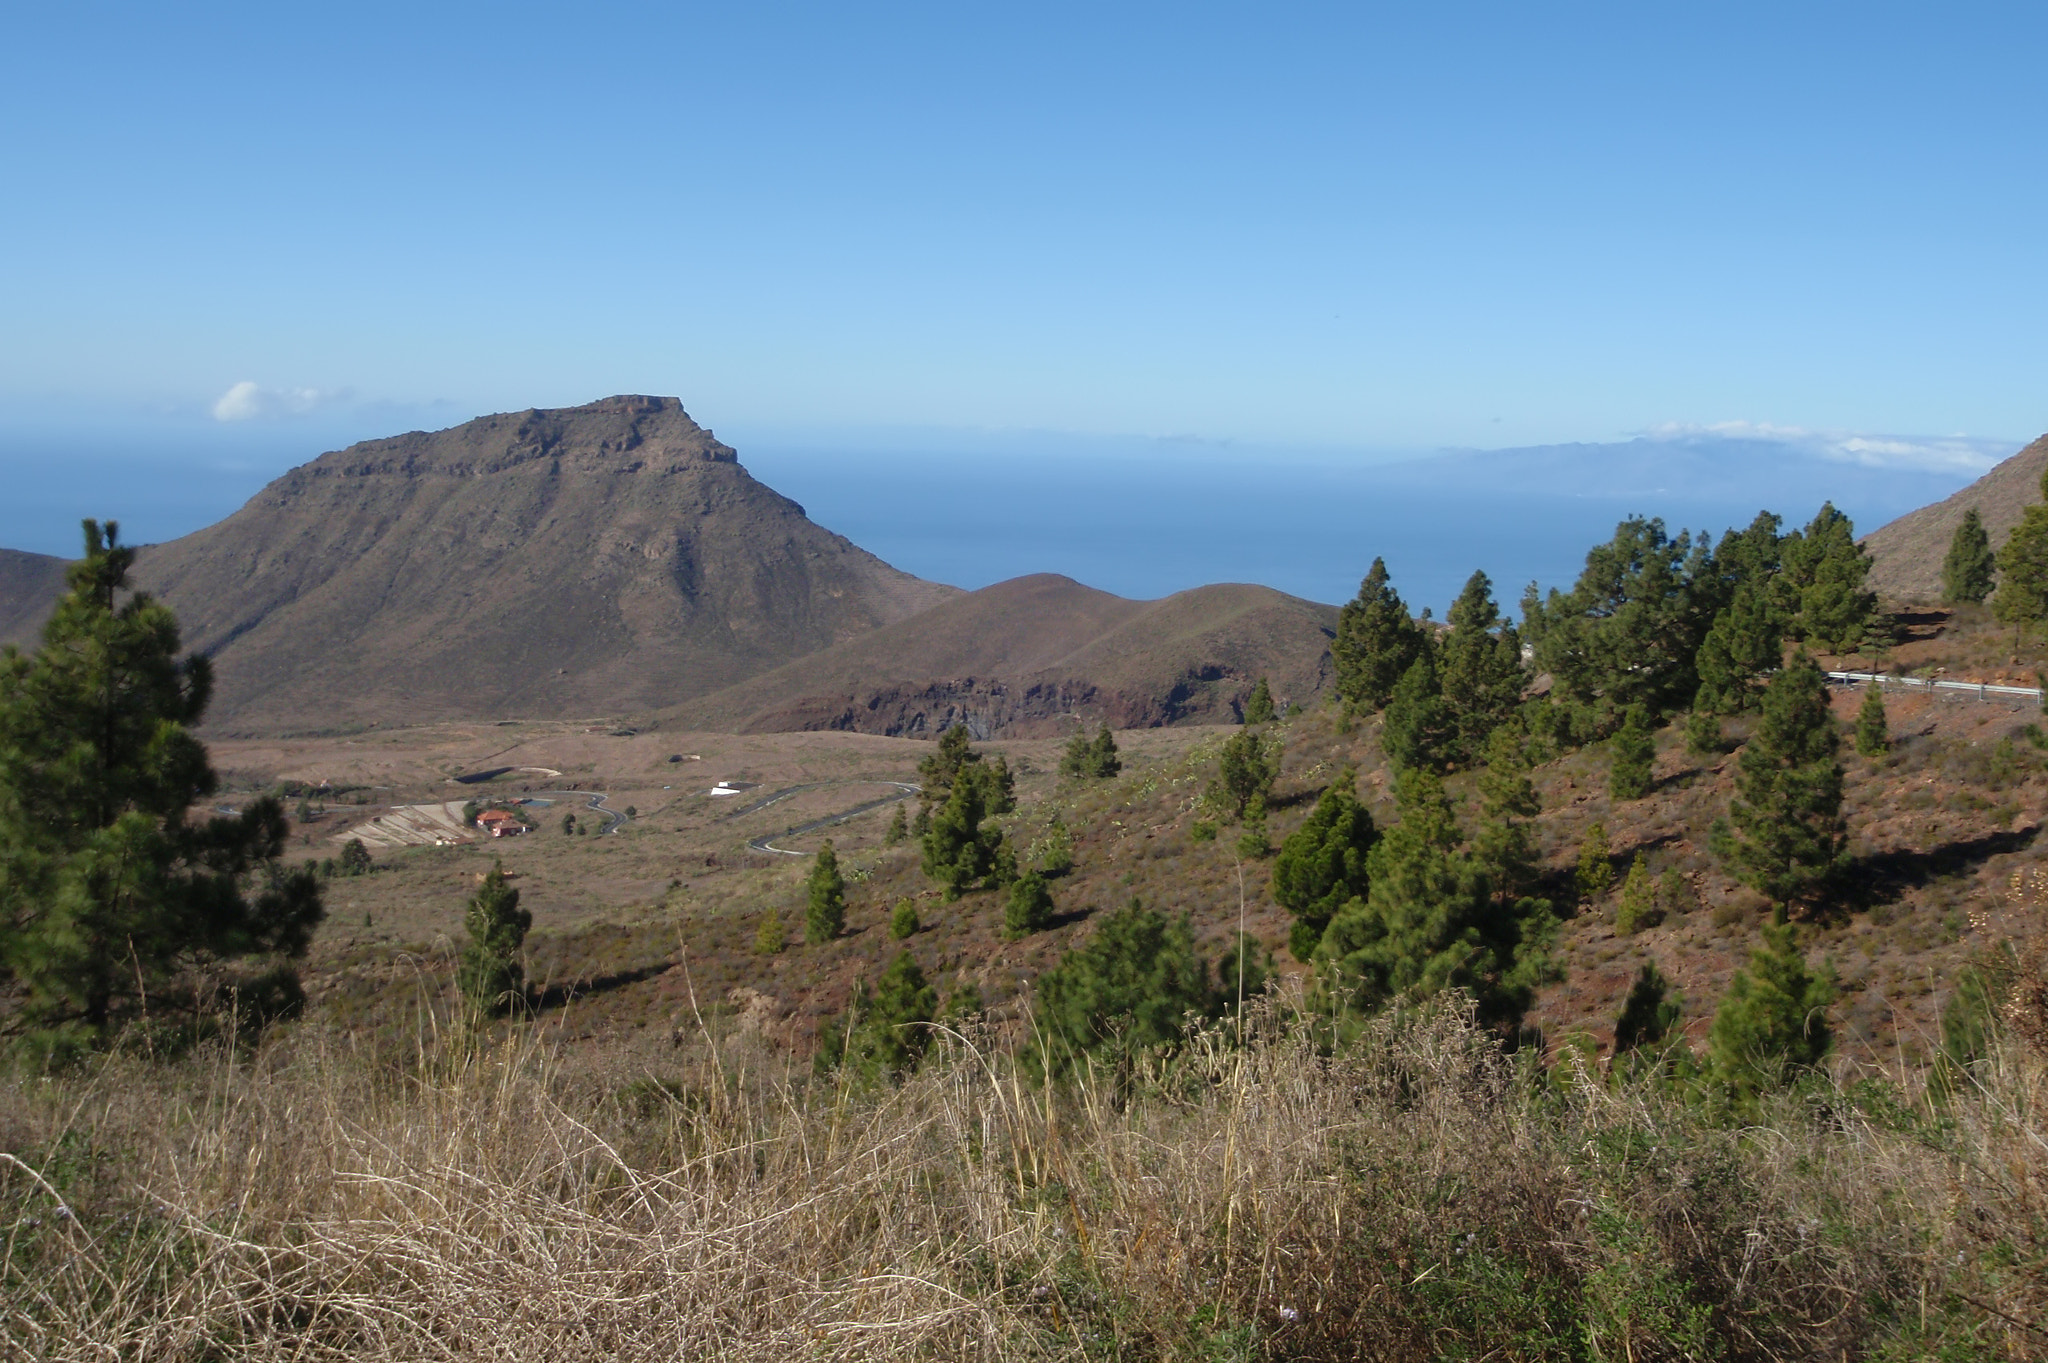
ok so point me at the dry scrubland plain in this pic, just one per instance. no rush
(651, 1169)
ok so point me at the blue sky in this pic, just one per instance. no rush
(1363, 230)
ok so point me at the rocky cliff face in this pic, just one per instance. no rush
(584, 560)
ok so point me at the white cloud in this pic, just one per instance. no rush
(250, 401)
(1929, 453)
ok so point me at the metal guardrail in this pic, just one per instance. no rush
(1980, 690)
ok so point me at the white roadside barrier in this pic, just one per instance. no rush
(1978, 690)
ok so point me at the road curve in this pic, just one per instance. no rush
(766, 843)
(594, 799)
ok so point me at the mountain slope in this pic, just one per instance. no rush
(1029, 655)
(575, 561)
(29, 586)
(1908, 552)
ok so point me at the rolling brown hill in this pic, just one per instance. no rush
(1031, 655)
(29, 585)
(579, 561)
(1908, 552)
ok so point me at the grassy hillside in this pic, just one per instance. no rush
(1908, 551)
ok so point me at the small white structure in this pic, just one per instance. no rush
(727, 788)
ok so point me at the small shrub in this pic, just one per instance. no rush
(773, 937)
(1202, 830)
(1595, 871)
(903, 921)
(1638, 907)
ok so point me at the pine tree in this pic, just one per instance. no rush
(1417, 729)
(1703, 733)
(1649, 1014)
(490, 976)
(1967, 572)
(903, 921)
(1246, 770)
(1479, 669)
(1638, 907)
(899, 828)
(1253, 842)
(959, 852)
(1258, 707)
(1629, 631)
(1091, 760)
(885, 1031)
(1507, 801)
(1376, 643)
(825, 896)
(1824, 574)
(1125, 991)
(354, 859)
(1430, 922)
(1745, 643)
(1595, 871)
(1772, 1022)
(1030, 908)
(2022, 597)
(1633, 757)
(772, 938)
(109, 890)
(942, 767)
(1787, 834)
(1873, 730)
(1103, 762)
(1321, 865)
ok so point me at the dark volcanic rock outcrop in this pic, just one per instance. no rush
(1036, 654)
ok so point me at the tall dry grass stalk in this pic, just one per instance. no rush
(1419, 1195)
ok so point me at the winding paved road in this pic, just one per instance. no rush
(594, 799)
(766, 843)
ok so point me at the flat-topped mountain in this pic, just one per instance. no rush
(1907, 553)
(1035, 654)
(583, 560)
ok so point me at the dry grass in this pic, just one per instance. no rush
(1417, 1195)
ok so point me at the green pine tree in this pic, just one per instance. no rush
(1030, 908)
(1968, 571)
(903, 921)
(1091, 759)
(1629, 632)
(1633, 757)
(1321, 865)
(1417, 731)
(1377, 640)
(1246, 771)
(1785, 836)
(885, 1031)
(1594, 874)
(959, 850)
(825, 898)
(1479, 669)
(1103, 762)
(1745, 643)
(1507, 802)
(1124, 992)
(109, 890)
(1650, 1014)
(772, 937)
(1258, 707)
(899, 828)
(1873, 730)
(2022, 597)
(1703, 732)
(354, 859)
(489, 975)
(1824, 574)
(1253, 842)
(1430, 922)
(1638, 906)
(1772, 1022)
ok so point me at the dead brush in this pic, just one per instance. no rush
(1415, 1194)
